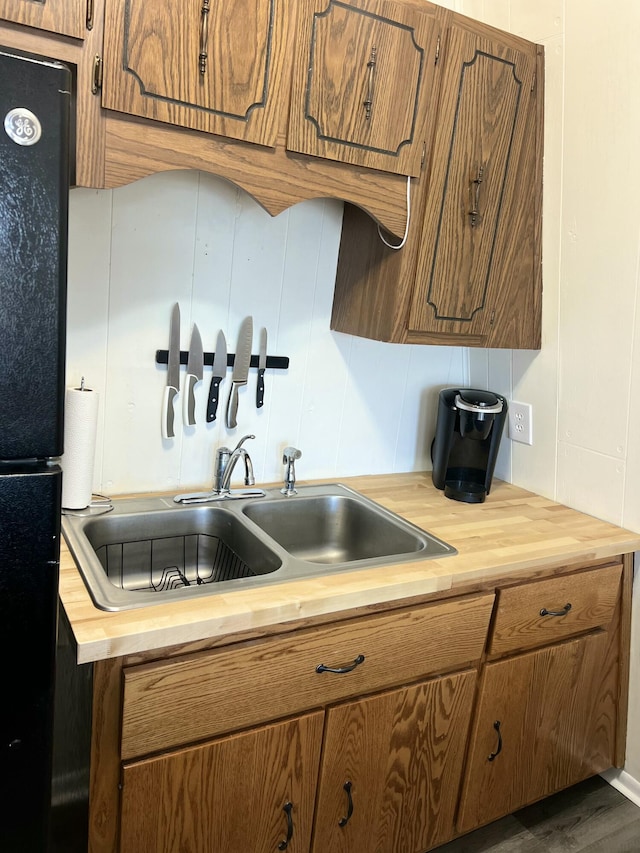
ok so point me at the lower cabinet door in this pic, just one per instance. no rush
(391, 769)
(247, 793)
(545, 720)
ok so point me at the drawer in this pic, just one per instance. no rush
(534, 614)
(180, 701)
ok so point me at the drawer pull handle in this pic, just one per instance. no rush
(287, 808)
(495, 754)
(341, 669)
(345, 820)
(563, 612)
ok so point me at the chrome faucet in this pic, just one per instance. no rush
(226, 460)
(289, 456)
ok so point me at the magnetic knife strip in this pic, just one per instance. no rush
(278, 362)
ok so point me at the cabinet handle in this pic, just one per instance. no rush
(341, 669)
(345, 820)
(563, 612)
(371, 65)
(287, 808)
(475, 213)
(493, 755)
(204, 35)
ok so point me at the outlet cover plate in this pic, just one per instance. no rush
(521, 422)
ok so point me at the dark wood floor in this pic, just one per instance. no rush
(589, 818)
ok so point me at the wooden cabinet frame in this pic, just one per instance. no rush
(106, 766)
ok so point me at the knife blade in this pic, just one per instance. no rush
(195, 365)
(172, 387)
(219, 373)
(262, 364)
(240, 370)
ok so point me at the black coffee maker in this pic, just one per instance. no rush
(465, 447)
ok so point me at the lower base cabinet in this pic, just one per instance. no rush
(391, 769)
(388, 782)
(249, 793)
(545, 720)
(388, 733)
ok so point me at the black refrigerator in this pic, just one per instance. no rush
(35, 96)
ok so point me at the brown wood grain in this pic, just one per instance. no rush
(486, 117)
(495, 265)
(518, 623)
(549, 704)
(105, 757)
(66, 17)
(403, 753)
(151, 56)
(227, 795)
(624, 651)
(168, 704)
(333, 80)
(275, 178)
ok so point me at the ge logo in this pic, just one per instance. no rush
(22, 126)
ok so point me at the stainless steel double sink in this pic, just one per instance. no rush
(152, 550)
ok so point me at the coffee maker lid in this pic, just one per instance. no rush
(471, 400)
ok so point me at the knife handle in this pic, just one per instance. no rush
(189, 410)
(260, 389)
(214, 393)
(232, 407)
(167, 411)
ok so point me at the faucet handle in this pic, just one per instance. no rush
(290, 454)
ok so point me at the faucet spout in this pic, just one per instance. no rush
(226, 461)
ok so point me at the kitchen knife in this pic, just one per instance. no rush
(219, 373)
(240, 370)
(262, 364)
(195, 364)
(173, 374)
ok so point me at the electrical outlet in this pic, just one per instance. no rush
(520, 422)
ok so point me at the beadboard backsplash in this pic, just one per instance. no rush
(351, 405)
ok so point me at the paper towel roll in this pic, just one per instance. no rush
(80, 423)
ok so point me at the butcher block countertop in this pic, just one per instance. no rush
(514, 533)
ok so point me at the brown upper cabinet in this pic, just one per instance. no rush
(471, 270)
(363, 81)
(66, 17)
(210, 66)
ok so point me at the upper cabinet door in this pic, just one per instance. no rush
(206, 65)
(363, 80)
(67, 17)
(476, 264)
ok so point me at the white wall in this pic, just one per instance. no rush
(585, 383)
(352, 406)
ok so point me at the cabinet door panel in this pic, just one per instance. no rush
(402, 752)
(479, 190)
(217, 70)
(227, 795)
(552, 708)
(362, 82)
(66, 17)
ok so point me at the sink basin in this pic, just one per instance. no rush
(139, 554)
(150, 550)
(334, 529)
